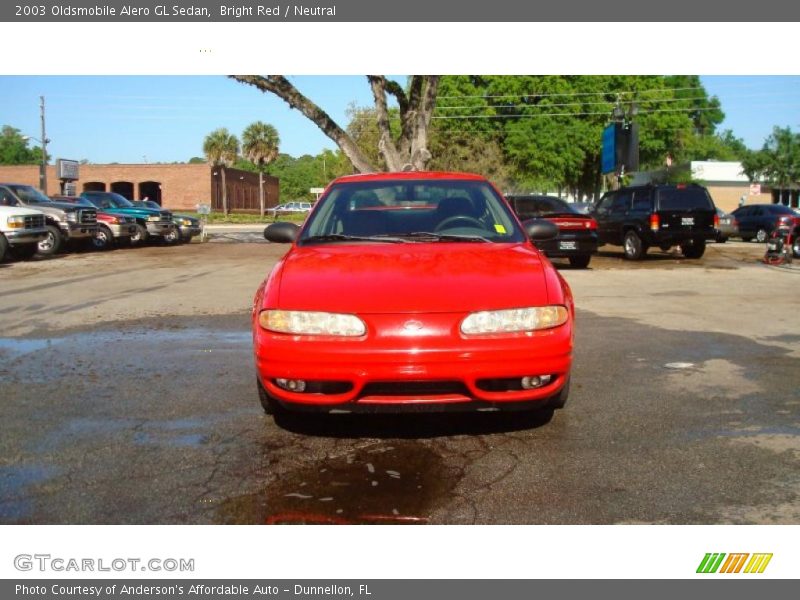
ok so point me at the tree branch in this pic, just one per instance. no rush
(282, 87)
(386, 144)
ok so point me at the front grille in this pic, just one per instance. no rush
(414, 388)
(34, 221)
(166, 215)
(87, 216)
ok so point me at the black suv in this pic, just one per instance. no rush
(664, 216)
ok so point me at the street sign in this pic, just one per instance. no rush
(203, 209)
(609, 149)
(755, 189)
(316, 190)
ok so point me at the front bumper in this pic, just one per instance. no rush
(159, 228)
(78, 231)
(189, 231)
(678, 236)
(25, 236)
(569, 244)
(122, 230)
(438, 367)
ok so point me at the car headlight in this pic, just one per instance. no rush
(514, 319)
(154, 218)
(311, 323)
(16, 222)
(72, 217)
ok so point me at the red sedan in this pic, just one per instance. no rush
(416, 291)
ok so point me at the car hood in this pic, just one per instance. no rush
(13, 211)
(140, 212)
(412, 278)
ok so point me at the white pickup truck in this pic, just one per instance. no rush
(21, 230)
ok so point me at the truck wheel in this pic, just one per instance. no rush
(139, 236)
(173, 237)
(103, 239)
(694, 250)
(53, 242)
(581, 261)
(3, 247)
(634, 248)
(268, 403)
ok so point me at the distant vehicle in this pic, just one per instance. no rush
(112, 227)
(63, 221)
(149, 223)
(640, 217)
(728, 226)
(290, 207)
(758, 221)
(21, 230)
(577, 233)
(188, 227)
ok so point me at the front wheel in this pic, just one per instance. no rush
(580, 262)
(53, 242)
(761, 236)
(633, 245)
(3, 247)
(139, 236)
(173, 236)
(103, 239)
(694, 250)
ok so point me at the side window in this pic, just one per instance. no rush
(603, 207)
(7, 198)
(525, 208)
(641, 201)
(622, 203)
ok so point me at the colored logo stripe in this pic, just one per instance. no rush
(758, 563)
(733, 564)
(710, 563)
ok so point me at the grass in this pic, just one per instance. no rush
(218, 218)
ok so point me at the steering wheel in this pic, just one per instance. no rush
(447, 223)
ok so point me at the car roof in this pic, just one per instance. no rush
(409, 175)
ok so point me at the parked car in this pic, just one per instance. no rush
(412, 291)
(289, 208)
(21, 229)
(583, 207)
(758, 221)
(728, 226)
(64, 222)
(577, 233)
(641, 217)
(112, 227)
(150, 223)
(188, 227)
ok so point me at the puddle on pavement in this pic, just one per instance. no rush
(22, 345)
(397, 483)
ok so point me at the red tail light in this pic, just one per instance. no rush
(567, 223)
(716, 221)
(736, 223)
(655, 222)
(591, 224)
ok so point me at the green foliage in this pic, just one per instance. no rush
(14, 148)
(778, 161)
(221, 147)
(197, 160)
(298, 175)
(260, 143)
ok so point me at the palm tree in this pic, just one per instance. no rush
(260, 146)
(221, 149)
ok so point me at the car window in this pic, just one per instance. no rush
(604, 205)
(641, 201)
(7, 198)
(684, 198)
(621, 203)
(401, 207)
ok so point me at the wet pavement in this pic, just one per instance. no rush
(684, 408)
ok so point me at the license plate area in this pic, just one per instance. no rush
(687, 221)
(567, 245)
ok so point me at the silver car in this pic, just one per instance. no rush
(727, 227)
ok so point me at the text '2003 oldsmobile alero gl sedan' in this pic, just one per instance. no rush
(416, 291)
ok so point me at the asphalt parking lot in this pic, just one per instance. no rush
(127, 395)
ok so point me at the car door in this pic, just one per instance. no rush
(602, 215)
(619, 216)
(742, 215)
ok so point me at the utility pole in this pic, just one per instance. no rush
(43, 167)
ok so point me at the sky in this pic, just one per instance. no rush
(138, 119)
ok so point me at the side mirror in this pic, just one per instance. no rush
(539, 230)
(281, 233)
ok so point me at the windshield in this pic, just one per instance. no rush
(108, 200)
(412, 210)
(28, 194)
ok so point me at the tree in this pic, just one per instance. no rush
(221, 149)
(260, 143)
(778, 161)
(14, 148)
(408, 150)
(196, 160)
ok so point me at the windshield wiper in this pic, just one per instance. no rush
(340, 237)
(443, 237)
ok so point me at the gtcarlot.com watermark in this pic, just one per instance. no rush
(49, 563)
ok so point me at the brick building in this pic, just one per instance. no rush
(181, 186)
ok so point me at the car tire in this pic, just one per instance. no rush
(3, 247)
(761, 236)
(796, 248)
(580, 262)
(140, 236)
(173, 237)
(103, 239)
(52, 243)
(694, 250)
(24, 252)
(722, 239)
(633, 246)
(268, 403)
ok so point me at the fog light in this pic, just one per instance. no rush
(291, 385)
(535, 381)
